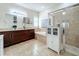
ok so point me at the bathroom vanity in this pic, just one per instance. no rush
(16, 36)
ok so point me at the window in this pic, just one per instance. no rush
(44, 23)
(36, 22)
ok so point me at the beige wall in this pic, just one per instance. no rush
(6, 20)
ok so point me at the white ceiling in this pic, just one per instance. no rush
(39, 6)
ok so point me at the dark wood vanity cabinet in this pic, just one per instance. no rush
(7, 38)
(14, 37)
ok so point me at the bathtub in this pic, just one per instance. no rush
(41, 36)
(41, 33)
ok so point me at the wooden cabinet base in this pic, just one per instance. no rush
(17, 36)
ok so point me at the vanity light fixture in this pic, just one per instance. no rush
(42, 7)
(16, 12)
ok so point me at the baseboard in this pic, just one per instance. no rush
(72, 49)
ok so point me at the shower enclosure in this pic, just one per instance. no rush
(68, 18)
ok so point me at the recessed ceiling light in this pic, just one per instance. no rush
(63, 13)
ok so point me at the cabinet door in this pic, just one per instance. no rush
(19, 36)
(7, 39)
(31, 34)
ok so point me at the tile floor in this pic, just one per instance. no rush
(31, 48)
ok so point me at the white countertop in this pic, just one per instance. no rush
(10, 29)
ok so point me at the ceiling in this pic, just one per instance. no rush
(39, 6)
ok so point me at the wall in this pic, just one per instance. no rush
(6, 20)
